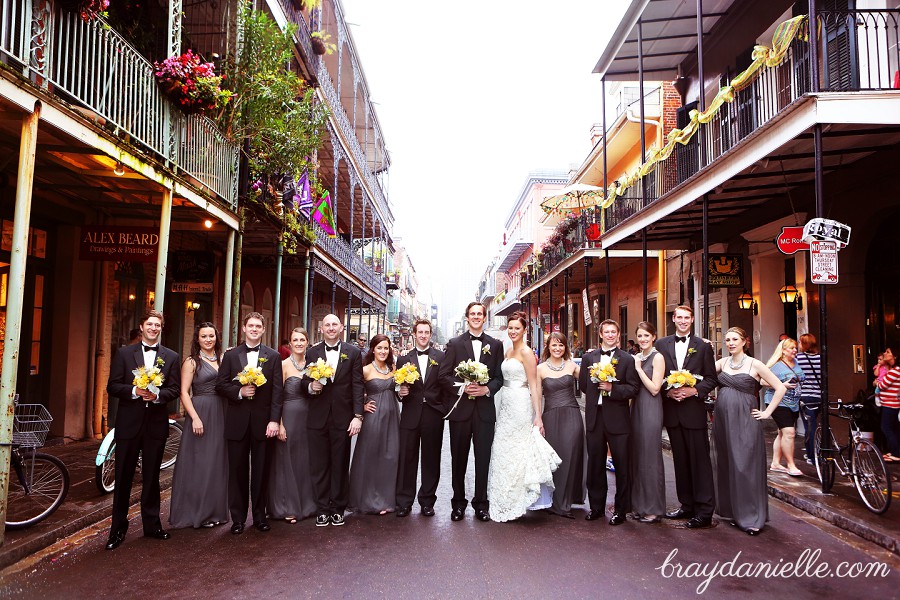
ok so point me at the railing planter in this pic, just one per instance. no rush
(191, 84)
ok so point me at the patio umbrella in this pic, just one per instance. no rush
(573, 197)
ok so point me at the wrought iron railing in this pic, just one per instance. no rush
(573, 242)
(295, 16)
(205, 154)
(340, 251)
(15, 21)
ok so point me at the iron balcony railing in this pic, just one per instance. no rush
(91, 66)
(859, 51)
(295, 15)
(572, 243)
(340, 251)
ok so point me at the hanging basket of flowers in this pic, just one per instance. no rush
(88, 10)
(191, 84)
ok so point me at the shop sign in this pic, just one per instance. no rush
(791, 240)
(587, 307)
(725, 270)
(192, 288)
(823, 262)
(119, 243)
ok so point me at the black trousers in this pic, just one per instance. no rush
(693, 470)
(329, 466)
(463, 434)
(430, 433)
(247, 461)
(127, 451)
(598, 488)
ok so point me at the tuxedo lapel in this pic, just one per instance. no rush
(242, 355)
(138, 355)
(467, 346)
(340, 361)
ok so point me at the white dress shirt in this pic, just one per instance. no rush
(681, 349)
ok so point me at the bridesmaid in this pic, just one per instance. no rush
(563, 425)
(200, 482)
(291, 495)
(737, 432)
(648, 494)
(373, 474)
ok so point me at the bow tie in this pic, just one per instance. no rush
(332, 348)
(681, 338)
(253, 349)
(607, 352)
(475, 338)
(150, 348)
(421, 352)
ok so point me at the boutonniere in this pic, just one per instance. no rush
(432, 362)
(486, 350)
(343, 356)
(691, 351)
(261, 360)
(614, 361)
(160, 362)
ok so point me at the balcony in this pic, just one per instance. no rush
(581, 237)
(392, 281)
(508, 304)
(93, 68)
(340, 251)
(513, 252)
(487, 290)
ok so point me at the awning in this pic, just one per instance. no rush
(514, 251)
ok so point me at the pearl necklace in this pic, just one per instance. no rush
(559, 368)
(646, 356)
(297, 366)
(387, 369)
(736, 367)
(213, 358)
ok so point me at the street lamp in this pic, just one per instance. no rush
(790, 295)
(746, 302)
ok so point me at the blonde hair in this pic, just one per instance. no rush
(779, 351)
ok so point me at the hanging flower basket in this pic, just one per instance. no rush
(191, 84)
(321, 43)
(88, 10)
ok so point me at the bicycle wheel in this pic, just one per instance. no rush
(824, 466)
(105, 475)
(170, 454)
(870, 476)
(48, 483)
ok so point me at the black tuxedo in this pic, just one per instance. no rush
(472, 421)
(685, 423)
(609, 423)
(330, 414)
(422, 419)
(245, 429)
(140, 427)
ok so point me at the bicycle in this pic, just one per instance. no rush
(859, 459)
(105, 475)
(42, 481)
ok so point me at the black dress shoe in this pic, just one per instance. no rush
(699, 523)
(159, 534)
(679, 514)
(617, 519)
(594, 515)
(115, 540)
(402, 512)
(482, 515)
(457, 514)
(752, 531)
(263, 526)
(428, 511)
(237, 528)
(646, 519)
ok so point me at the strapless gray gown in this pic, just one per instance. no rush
(741, 493)
(200, 482)
(648, 492)
(290, 483)
(376, 458)
(564, 431)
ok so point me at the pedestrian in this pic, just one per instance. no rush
(889, 398)
(784, 365)
(811, 391)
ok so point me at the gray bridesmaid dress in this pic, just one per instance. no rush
(564, 431)
(740, 453)
(200, 482)
(290, 483)
(376, 458)
(648, 492)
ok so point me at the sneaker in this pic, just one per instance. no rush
(322, 521)
(337, 519)
(609, 465)
(809, 461)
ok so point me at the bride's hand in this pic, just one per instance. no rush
(539, 423)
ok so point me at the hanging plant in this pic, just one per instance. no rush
(192, 84)
(88, 10)
(321, 43)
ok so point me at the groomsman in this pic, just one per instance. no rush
(684, 415)
(335, 415)
(607, 420)
(422, 419)
(142, 425)
(251, 418)
(472, 421)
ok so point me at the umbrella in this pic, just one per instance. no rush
(573, 197)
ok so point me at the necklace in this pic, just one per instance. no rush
(648, 355)
(559, 368)
(212, 358)
(387, 369)
(737, 367)
(297, 365)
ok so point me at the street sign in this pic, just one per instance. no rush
(791, 240)
(587, 307)
(823, 262)
(827, 230)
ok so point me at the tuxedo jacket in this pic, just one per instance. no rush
(614, 415)
(426, 390)
(132, 412)
(691, 412)
(458, 350)
(342, 398)
(253, 414)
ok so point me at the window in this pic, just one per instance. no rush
(623, 325)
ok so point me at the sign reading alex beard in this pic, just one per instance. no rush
(119, 242)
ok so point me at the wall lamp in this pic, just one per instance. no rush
(746, 302)
(790, 295)
(192, 305)
(120, 168)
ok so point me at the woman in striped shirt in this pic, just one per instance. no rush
(889, 389)
(808, 359)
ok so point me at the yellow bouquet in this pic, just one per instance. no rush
(600, 373)
(682, 378)
(149, 379)
(408, 374)
(251, 376)
(320, 370)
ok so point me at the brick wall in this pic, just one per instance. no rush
(671, 102)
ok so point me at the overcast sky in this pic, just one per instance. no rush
(471, 97)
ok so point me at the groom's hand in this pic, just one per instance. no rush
(475, 389)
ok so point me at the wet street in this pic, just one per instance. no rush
(539, 556)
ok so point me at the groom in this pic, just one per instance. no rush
(472, 421)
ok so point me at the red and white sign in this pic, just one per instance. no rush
(823, 262)
(791, 240)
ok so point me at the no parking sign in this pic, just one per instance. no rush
(823, 261)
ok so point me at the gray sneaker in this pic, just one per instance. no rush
(322, 521)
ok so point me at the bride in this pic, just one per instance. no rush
(520, 477)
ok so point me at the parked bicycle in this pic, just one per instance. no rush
(858, 459)
(41, 481)
(105, 476)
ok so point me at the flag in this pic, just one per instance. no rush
(302, 199)
(324, 215)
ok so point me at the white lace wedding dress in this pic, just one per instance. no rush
(520, 476)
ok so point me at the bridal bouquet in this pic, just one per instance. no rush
(149, 379)
(408, 374)
(470, 371)
(682, 378)
(600, 373)
(320, 370)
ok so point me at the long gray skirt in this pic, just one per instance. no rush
(648, 491)
(290, 483)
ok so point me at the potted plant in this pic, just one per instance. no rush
(321, 43)
(191, 83)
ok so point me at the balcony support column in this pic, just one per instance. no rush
(608, 303)
(704, 270)
(605, 173)
(310, 288)
(349, 321)
(162, 253)
(175, 12)
(227, 288)
(701, 99)
(333, 294)
(236, 289)
(305, 293)
(564, 326)
(276, 318)
(552, 311)
(644, 287)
